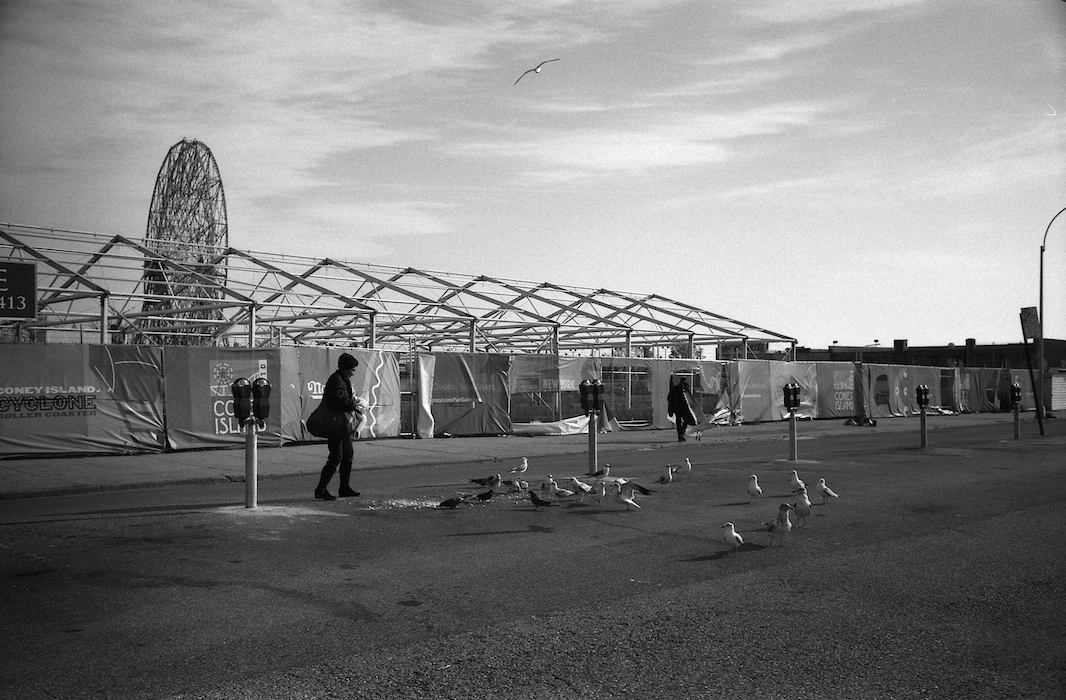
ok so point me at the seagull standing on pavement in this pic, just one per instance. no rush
(683, 470)
(753, 488)
(580, 485)
(493, 482)
(521, 468)
(558, 492)
(797, 482)
(781, 525)
(732, 539)
(626, 498)
(825, 491)
(803, 506)
(535, 70)
(513, 485)
(601, 473)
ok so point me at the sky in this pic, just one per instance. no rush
(851, 171)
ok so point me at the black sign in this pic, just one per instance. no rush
(18, 290)
(1030, 323)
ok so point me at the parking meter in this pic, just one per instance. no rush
(591, 392)
(242, 400)
(792, 396)
(922, 394)
(261, 400)
(1015, 394)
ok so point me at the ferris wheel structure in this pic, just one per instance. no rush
(187, 236)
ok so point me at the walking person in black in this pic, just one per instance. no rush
(340, 397)
(677, 405)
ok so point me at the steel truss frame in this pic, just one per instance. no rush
(91, 288)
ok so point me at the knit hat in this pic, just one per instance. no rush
(346, 361)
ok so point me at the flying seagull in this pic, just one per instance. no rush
(535, 70)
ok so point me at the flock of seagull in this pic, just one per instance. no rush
(782, 524)
(625, 491)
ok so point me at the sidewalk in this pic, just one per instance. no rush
(62, 475)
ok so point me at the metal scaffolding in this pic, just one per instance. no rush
(92, 288)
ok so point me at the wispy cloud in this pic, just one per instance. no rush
(674, 142)
(787, 11)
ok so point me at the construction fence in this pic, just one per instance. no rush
(120, 399)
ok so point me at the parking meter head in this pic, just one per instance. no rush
(242, 400)
(261, 399)
(922, 392)
(792, 396)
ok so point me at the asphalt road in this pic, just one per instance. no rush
(938, 573)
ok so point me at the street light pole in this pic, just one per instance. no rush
(1040, 388)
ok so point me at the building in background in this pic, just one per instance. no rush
(970, 354)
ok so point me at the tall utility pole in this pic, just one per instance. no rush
(1040, 360)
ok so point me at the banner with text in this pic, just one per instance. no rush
(376, 381)
(80, 399)
(200, 398)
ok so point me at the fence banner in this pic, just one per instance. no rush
(890, 389)
(469, 394)
(80, 399)
(803, 374)
(376, 381)
(574, 370)
(750, 389)
(836, 390)
(200, 401)
(533, 374)
(424, 425)
(930, 376)
(981, 390)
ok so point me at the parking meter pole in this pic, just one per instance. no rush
(1017, 423)
(251, 465)
(593, 456)
(925, 435)
(792, 440)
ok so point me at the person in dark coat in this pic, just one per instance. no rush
(339, 396)
(677, 405)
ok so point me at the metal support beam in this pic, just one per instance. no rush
(103, 319)
(251, 325)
